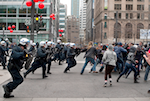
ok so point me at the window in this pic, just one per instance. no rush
(22, 26)
(127, 16)
(117, 30)
(129, 7)
(119, 15)
(141, 0)
(131, 15)
(105, 25)
(138, 16)
(128, 31)
(140, 7)
(142, 16)
(139, 26)
(105, 35)
(117, 7)
(11, 10)
(129, 0)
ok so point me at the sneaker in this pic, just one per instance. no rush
(110, 83)
(105, 85)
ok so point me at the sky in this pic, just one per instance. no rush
(68, 3)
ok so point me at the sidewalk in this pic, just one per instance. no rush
(4, 75)
(76, 99)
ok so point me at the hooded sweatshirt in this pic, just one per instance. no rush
(110, 57)
(131, 56)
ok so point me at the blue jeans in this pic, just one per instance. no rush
(95, 64)
(127, 67)
(146, 72)
(86, 62)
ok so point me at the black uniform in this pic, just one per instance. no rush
(40, 61)
(71, 61)
(15, 64)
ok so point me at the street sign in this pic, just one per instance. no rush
(28, 22)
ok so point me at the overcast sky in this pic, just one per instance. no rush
(68, 3)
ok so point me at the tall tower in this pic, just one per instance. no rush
(75, 8)
(82, 18)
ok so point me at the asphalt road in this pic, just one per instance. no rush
(74, 85)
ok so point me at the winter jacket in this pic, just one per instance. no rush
(91, 53)
(109, 57)
(119, 51)
(131, 56)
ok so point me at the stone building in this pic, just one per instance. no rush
(72, 30)
(130, 16)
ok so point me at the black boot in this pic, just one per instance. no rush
(60, 63)
(118, 78)
(45, 76)
(24, 75)
(6, 90)
(135, 80)
(8, 96)
(148, 91)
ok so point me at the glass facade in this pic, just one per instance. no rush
(13, 15)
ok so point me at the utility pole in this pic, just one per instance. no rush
(32, 20)
(116, 34)
(101, 32)
(50, 23)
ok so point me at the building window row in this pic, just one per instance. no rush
(128, 30)
(128, 7)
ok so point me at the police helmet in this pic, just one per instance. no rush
(49, 43)
(58, 41)
(42, 43)
(3, 43)
(24, 41)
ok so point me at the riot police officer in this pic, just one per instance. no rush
(70, 55)
(15, 64)
(39, 61)
(2, 53)
(49, 49)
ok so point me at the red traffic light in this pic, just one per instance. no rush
(13, 26)
(29, 3)
(60, 35)
(62, 31)
(41, 5)
(9, 27)
(11, 30)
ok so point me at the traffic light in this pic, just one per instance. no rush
(37, 23)
(37, 18)
(27, 30)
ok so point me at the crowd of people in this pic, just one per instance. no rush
(116, 57)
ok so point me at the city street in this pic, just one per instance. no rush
(74, 85)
